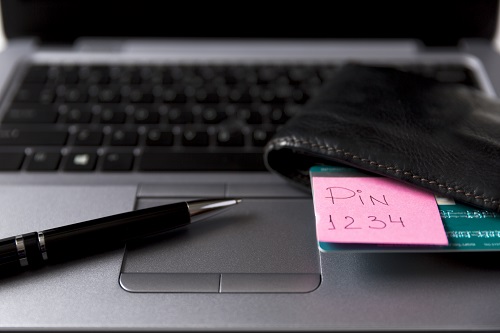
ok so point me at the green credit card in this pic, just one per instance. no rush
(467, 228)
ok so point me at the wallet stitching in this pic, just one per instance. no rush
(391, 168)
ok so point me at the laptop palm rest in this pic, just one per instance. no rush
(263, 245)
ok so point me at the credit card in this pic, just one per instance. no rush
(467, 228)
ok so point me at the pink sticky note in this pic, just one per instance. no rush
(375, 210)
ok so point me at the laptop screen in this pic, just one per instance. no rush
(433, 22)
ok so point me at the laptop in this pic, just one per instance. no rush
(112, 106)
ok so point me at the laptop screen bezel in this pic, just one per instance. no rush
(432, 22)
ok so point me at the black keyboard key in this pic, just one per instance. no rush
(111, 115)
(266, 74)
(151, 74)
(283, 92)
(80, 162)
(76, 114)
(177, 73)
(207, 73)
(179, 115)
(87, 137)
(230, 79)
(299, 96)
(146, 116)
(174, 95)
(118, 162)
(166, 78)
(95, 74)
(140, 96)
(157, 160)
(264, 110)
(249, 115)
(230, 138)
(21, 137)
(73, 94)
(35, 94)
(124, 75)
(291, 109)
(37, 74)
(108, 95)
(206, 96)
(260, 137)
(157, 137)
(240, 95)
(36, 114)
(241, 74)
(299, 74)
(268, 94)
(213, 115)
(42, 161)
(11, 161)
(278, 115)
(124, 138)
(196, 138)
(69, 75)
(326, 72)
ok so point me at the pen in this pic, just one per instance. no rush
(35, 249)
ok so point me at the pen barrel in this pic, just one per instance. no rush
(105, 233)
(19, 251)
(9, 258)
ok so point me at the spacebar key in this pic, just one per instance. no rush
(197, 161)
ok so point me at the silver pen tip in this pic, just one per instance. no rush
(201, 209)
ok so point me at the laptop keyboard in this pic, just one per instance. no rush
(160, 118)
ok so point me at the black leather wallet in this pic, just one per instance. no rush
(438, 136)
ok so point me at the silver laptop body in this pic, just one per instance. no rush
(255, 267)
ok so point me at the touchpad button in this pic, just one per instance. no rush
(258, 246)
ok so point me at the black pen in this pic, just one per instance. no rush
(34, 249)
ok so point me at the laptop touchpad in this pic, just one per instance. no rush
(260, 245)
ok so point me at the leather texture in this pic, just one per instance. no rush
(441, 137)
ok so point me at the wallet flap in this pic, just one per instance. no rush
(438, 136)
